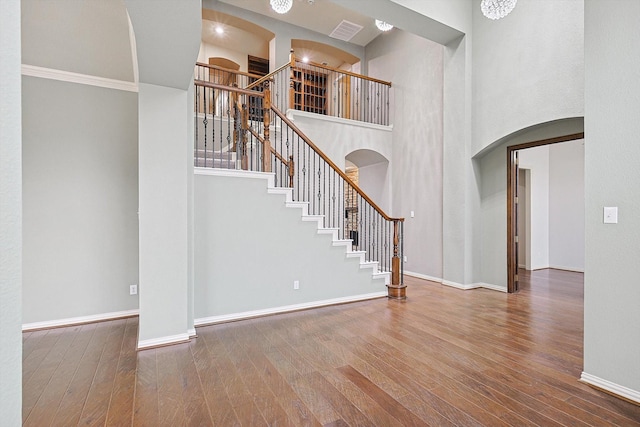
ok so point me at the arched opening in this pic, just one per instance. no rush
(371, 169)
(324, 54)
(236, 40)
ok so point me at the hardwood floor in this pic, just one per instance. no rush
(444, 357)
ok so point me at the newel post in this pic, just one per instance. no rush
(266, 110)
(396, 290)
(292, 90)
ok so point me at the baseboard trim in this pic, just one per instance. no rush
(611, 388)
(212, 320)
(83, 79)
(423, 276)
(491, 287)
(163, 341)
(460, 285)
(575, 270)
(192, 332)
(72, 321)
(455, 284)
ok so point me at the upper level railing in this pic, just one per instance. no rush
(241, 129)
(320, 89)
(224, 76)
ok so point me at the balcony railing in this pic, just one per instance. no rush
(320, 89)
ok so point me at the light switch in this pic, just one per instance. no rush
(611, 215)
(412, 214)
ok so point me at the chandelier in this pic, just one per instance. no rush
(496, 9)
(383, 26)
(281, 6)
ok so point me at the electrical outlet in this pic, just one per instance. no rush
(133, 289)
(296, 284)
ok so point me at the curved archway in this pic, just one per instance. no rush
(232, 38)
(373, 175)
(224, 63)
(322, 53)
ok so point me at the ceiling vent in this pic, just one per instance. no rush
(345, 31)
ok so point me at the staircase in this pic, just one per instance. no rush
(347, 244)
(259, 252)
(215, 159)
(310, 181)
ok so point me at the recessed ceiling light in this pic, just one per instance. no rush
(305, 59)
(219, 30)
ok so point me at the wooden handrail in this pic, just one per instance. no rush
(229, 88)
(333, 165)
(229, 70)
(267, 76)
(301, 64)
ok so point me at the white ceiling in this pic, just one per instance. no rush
(321, 16)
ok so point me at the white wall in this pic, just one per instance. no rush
(527, 68)
(168, 37)
(537, 161)
(248, 257)
(566, 205)
(10, 217)
(417, 118)
(80, 200)
(375, 181)
(82, 37)
(453, 13)
(339, 137)
(163, 187)
(556, 209)
(612, 291)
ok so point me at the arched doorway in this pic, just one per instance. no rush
(373, 175)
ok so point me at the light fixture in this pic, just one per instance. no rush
(219, 30)
(305, 59)
(383, 26)
(281, 6)
(496, 9)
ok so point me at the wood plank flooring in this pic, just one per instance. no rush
(445, 357)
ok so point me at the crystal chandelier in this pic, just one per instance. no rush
(281, 6)
(383, 26)
(496, 9)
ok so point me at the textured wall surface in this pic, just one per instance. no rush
(250, 248)
(417, 118)
(80, 200)
(528, 68)
(10, 218)
(612, 156)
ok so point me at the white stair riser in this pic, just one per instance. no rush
(333, 232)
